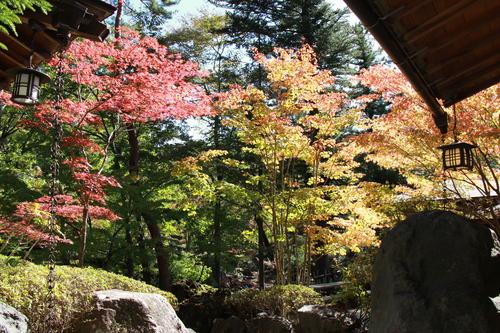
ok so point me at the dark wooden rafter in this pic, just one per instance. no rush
(462, 34)
(10, 61)
(102, 9)
(11, 42)
(90, 28)
(437, 21)
(471, 48)
(473, 88)
(476, 69)
(448, 49)
(442, 54)
(409, 9)
(442, 81)
(386, 38)
(39, 35)
(484, 77)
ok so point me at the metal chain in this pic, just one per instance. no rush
(53, 192)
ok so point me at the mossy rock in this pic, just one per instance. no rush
(188, 289)
(23, 285)
(200, 304)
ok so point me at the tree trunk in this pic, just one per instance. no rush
(154, 229)
(217, 242)
(146, 271)
(130, 264)
(83, 235)
(118, 17)
(161, 256)
(217, 210)
(133, 162)
(306, 24)
(260, 227)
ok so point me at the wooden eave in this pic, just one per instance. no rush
(41, 45)
(448, 49)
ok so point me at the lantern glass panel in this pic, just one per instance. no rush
(22, 84)
(36, 88)
(27, 85)
(458, 156)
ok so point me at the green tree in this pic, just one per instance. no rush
(148, 16)
(202, 39)
(289, 24)
(277, 128)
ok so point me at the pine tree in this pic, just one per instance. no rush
(289, 24)
(150, 16)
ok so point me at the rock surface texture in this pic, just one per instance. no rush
(435, 272)
(120, 311)
(317, 318)
(232, 324)
(269, 324)
(260, 324)
(197, 307)
(12, 321)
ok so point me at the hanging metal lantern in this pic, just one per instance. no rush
(27, 83)
(458, 156)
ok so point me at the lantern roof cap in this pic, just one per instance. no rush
(457, 145)
(12, 72)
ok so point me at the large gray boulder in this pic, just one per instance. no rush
(12, 321)
(269, 324)
(318, 318)
(263, 323)
(118, 311)
(435, 273)
(232, 324)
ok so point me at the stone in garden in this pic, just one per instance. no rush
(185, 289)
(120, 311)
(435, 272)
(232, 324)
(199, 306)
(12, 321)
(317, 318)
(269, 324)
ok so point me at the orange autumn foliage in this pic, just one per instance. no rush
(406, 139)
(299, 121)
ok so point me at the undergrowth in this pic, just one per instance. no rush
(23, 285)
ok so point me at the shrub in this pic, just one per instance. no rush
(359, 271)
(277, 300)
(244, 302)
(355, 294)
(23, 285)
(189, 267)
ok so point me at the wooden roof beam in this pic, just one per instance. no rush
(387, 39)
(485, 42)
(438, 20)
(477, 67)
(89, 27)
(4, 80)
(449, 101)
(11, 59)
(103, 9)
(37, 55)
(404, 10)
(462, 34)
(409, 10)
